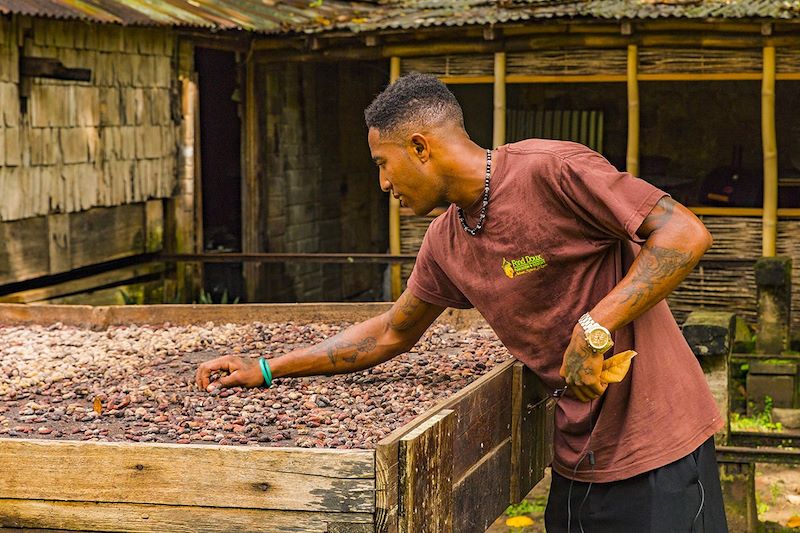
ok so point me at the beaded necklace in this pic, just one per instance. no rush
(482, 217)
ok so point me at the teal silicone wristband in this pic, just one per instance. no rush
(265, 371)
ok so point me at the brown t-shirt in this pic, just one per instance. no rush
(560, 233)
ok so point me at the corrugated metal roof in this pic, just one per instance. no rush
(425, 13)
(267, 16)
(275, 16)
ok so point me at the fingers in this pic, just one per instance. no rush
(204, 371)
(586, 393)
(231, 380)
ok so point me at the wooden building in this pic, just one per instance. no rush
(698, 97)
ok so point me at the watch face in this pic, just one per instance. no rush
(598, 338)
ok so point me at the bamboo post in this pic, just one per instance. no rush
(499, 128)
(632, 159)
(394, 210)
(770, 149)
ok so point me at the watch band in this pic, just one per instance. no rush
(587, 322)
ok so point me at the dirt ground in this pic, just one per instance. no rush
(777, 493)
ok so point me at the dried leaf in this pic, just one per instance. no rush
(519, 521)
(615, 367)
(794, 521)
(97, 405)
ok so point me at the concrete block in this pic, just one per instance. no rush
(790, 418)
(774, 287)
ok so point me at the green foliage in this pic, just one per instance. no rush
(206, 298)
(758, 422)
(526, 507)
(129, 299)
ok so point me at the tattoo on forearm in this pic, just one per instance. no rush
(655, 264)
(405, 317)
(337, 348)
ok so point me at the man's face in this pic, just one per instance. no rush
(404, 174)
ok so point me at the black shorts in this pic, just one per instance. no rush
(684, 496)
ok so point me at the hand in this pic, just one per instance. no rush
(242, 372)
(582, 367)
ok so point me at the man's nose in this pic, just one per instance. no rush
(386, 186)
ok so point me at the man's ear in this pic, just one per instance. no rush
(420, 147)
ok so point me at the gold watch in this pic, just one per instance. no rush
(598, 337)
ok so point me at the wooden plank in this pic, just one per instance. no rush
(386, 486)
(154, 225)
(483, 421)
(483, 493)
(83, 284)
(105, 233)
(136, 293)
(133, 518)
(515, 495)
(59, 243)
(426, 476)
(533, 432)
(171, 474)
(24, 249)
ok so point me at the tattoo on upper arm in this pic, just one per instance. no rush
(347, 351)
(659, 216)
(655, 263)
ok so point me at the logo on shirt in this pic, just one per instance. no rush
(523, 265)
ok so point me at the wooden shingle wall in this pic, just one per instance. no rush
(70, 146)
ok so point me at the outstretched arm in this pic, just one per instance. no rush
(675, 242)
(358, 347)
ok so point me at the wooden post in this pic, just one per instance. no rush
(770, 149)
(499, 129)
(426, 476)
(632, 160)
(251, 188)
(394, 209)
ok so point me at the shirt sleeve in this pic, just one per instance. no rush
(429, 282)
(612, 204)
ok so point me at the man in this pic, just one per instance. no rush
(542, 237)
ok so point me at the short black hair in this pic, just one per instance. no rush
(418, 99)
